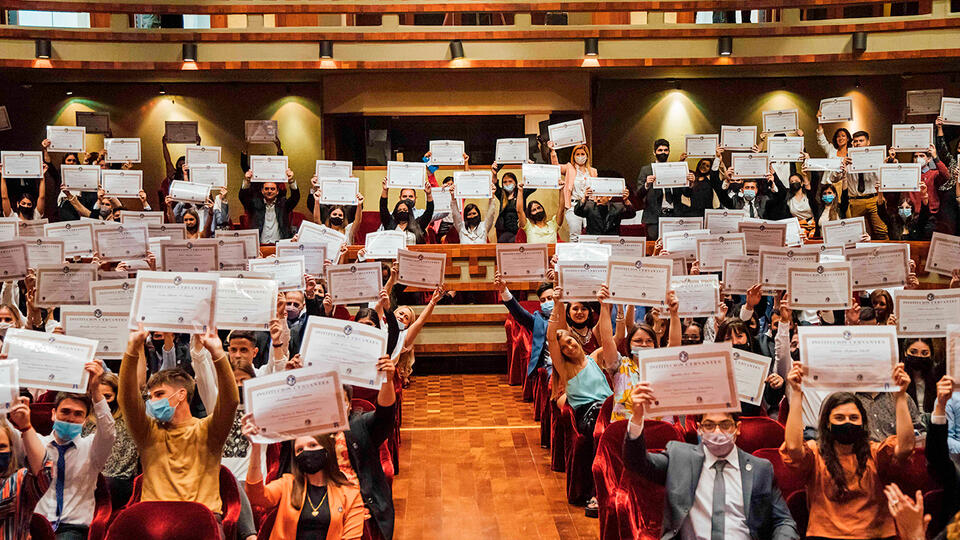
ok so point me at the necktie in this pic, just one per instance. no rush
(753, 213)
(719, 501)
(861, 184)
(61, 477)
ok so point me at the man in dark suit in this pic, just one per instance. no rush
(713, 490)
(766, 203)
(655, 202)
(268, 209)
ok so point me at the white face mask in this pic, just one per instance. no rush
(921, 161)
(581, 160)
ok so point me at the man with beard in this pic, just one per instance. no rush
(269, 210)
(533, 220)
(656, 202)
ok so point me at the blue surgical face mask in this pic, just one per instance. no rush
(509, 188)
(66, 431)
(401, 325)
(828, 198)
(160, 409)
(546, 307)
(749, 194)
(905, 213)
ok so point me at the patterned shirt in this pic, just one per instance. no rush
(19, 494)
(627, 376)
(124, 460)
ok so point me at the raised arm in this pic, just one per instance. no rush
(793, 431)
(417, 326)
(493, 210)
(384, 209)
(652, 466)
(357, 219)
(522, 316)
(521, 214)
(167, 161)
(128, 395)
(19, 415)
(675, 339)
(609, 356)
(228, 397)
(905, 436)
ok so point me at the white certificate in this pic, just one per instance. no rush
(350, 348)
(77, 237)
(354, 283)
(66, 138)
(80, 177)
(953, 350)
(848, 358)
(113, 294)
(740, 273)
(697, 379)
(749, 165)
(472, 185)
(722, 221)
(922, 102)
(838, 109)
(900, 177)
(843, 232)
(783, 121)
(420, 268)
(540, 176)
(268, 168)
(512, 151)
(50, 361)
(712, 250)
(607, 187)
(183, 191)
(581, 281)
(108, 324)
(29, 230)
(683, 242)
(522, 262)
(571, 252)
(738, 137)
(943, 256)
(122, 150)
(169, 231)
(762, 233)
(774, 262)
(384, 244)
(181, 131)
(402, 174)
(446, 152)
(925, 313)
(912, 137)
(62, 284)
(866, 158)
(751, 371)
(823, 164)
(122, 242)
(950, 111)
(670, 174)
(121, 183)
(879, 267)
(213, 175)
(94, 122)
(785, 149)
(642, 281)
(793, 237)
(310, 232)
(174, 301)
(9, 229)
(698, 296)
(333, 169)
(628, 247)
(314, 254)
(231, 255)
(674, 224)
(198, 255)
(245, 304)
(567, 134)
(13, 260)
(701, 146)
(250, 238)
(260, 131)
(343, 190)
(820, 286)
(22, 164)
(9, 381)
(295, 403)
(44, 251)
(202, 155)
(288, 272)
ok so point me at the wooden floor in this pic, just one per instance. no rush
(471, 466)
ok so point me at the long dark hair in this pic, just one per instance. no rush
(696, 170)
(331, 471)
(827, 444)
(412, 224)
(467, 209)
(368, 313)
(178, 168)
(729, 326)
(837, 132)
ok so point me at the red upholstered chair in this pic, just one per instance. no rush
(41, 416)
(102, 511)
(797, 503)
(518, 351)
(266, 527)
(788, 479)
(933, 505)
(758, 432)
(245, 222)
(521, 237)
(164, 521)
(783, 411)
(658, 433)
(607, 468)
(913, 474)
(639, 503)
(369, 222)
(273, 462)
(40, 528)
(579, 459)
(603, 420)
(296, 218)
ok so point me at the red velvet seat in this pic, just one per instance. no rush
(639, 502)
(797, 503)
(266, 527)
(41, 416)
(758, 432)
(102, 510)
(603, 420)
(165, 520)
(296, 218)
(245, 222)
(518, 351)
(913, 474)
(788, 478)
(369, 222)
(607, 469)
(579, 459)
(933, 505)
(543, 410)
(783, 411)
(40, 528)
(521, 237)
(558, 440)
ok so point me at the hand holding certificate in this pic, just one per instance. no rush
(820, 286)
(80, 177)
(848, 358)
(66, 139)
(950, 111)
(607, 187)
(22, 164)
(567, 134)
(670, 175)
(447, 152)
(740, 274)
(899, 177)
(943, 257)
(50, 361)
(268, 168)
(844, 232)
(353, 349)
(174, 302)
(401, 174)
(581, 281)
(641, 281)
(540, 176)
(522, 262)
(354, 283)
(751, 372)
(697, 296)
(866, 158)
(925, 313)
(690, 380)
(912, 137)
(64, 284)
(295, 403)
(421, 269)
(838, 109)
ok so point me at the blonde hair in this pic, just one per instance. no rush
(332, 471)
(583, 147)
(13, 466)
(15, 312)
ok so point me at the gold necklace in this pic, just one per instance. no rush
(315, 510)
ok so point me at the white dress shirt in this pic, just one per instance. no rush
(271, 228)
(84, 461)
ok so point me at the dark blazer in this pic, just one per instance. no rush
(652, 199)
(678, 469)
(603, 219)
(942, 468)
(769, 205)
(256, 208)
(536, 323)
(367, 432)
(700, 194)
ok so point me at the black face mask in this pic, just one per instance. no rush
(336, 221)
(742, 346)
(473, 221)
(114, 405)
(537, 216)
(915, 362)
(689, 341)
(661, 157)
(795, 355)
(104, 213)
(847, 433)
(5, 460)
(795, 186)
(312, 461)
(401, 216)
(25, 211)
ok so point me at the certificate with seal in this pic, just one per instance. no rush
(80, 177)
(260, 131)
(880, 266)
(121, 183)
(333, 169)
(314, 254)
(50, 361)
(899, 177)
(782, 121)
(820, 286)
(66, 138)
(197, 255)
(912, 137)
(581, 280)
(446, 152)
(350, 348)
(94, 122)
(683, 242)
(922, 102)
(250, 238)
(33, 229)
(64, 284)
(182, 302)
(785, 149)
(674, 224)
(342, 190)
(312, 232)
(13, 260)
(108, 324)
(77, 237)
(212, 175)
(697, 379)
(231, 255)
(9, 380)
(122, 150)
(401, 174)
(113, 294)
(181, 131)
(356, 283)
(472, 185)
(701, 146)
(843, 232)
(827, 165)
(512, 151)
(722, 221)
(169, 231)
(540, 176)
(421, 268)
(643, 281)
(943, 256)
(522, 262)
(950, 111)
(22, 164)
(866, 158)
(607, 187)
(146, 217)
(295, 403)
(744, 165)
(740, 273)
(672, 174)
(567, 134)
(713, 250)
(288, 272)
(202, 155)
(837, 109)
(848, 358)
(268, 168)
(698, 296)
(925, 312)
(759, 233)
(738, 137)
(245, 304)
(775, 260)
(751, 371)
(628, 247)
(121, 242)
(44, 251)
(9, 229)
(384, 244)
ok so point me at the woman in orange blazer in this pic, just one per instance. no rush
(315, 500)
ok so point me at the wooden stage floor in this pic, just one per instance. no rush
(471, 466)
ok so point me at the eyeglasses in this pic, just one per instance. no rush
(726, 425)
